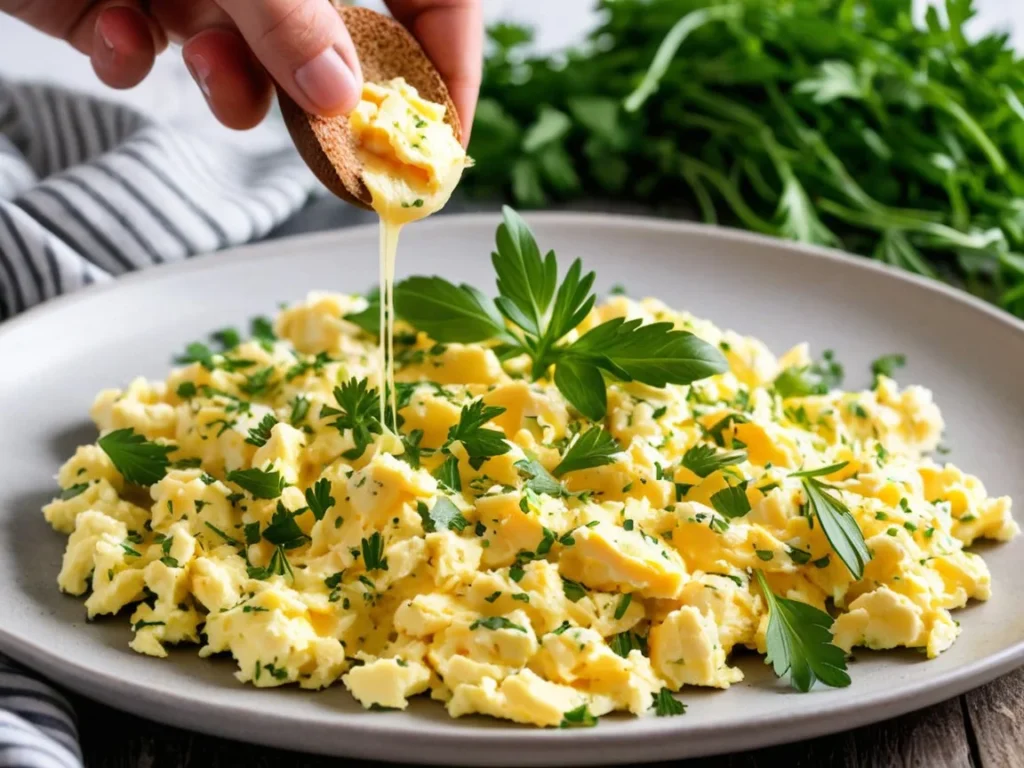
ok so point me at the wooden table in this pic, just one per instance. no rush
(982, 729)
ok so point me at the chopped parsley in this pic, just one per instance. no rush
(260, 483)
(703, 459)
(496, 622)
(578, 718)
(373, 553)
(479, 442)
(444, 516)
(260, 434)
(666, 705)
(138, 460)
(593, 448)
(319, 498)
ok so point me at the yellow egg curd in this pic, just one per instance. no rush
(291, 535)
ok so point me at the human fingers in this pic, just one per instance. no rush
(234, 84)
(451, 33)
(305, 47)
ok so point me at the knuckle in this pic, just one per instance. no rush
(301, 28)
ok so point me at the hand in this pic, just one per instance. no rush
(233, 47)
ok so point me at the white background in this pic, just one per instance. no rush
(169, 94)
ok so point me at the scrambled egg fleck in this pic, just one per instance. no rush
(513, 604)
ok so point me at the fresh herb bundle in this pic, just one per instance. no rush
(836, 122)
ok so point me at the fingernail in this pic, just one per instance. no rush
(328, 82)
(200, 70)
(105, 50)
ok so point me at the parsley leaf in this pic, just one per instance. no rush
(655, 354)
(230, 540)
(624, 642)
(886, 365)
(667, 705)
(262, 330)
(283, 531)
(731, 501)
(496, 622)
(578, 718)
(448, 474)
(444, 516)
(261, 484)
(252, 533)
(447, 312)
(593, 448)
(228, 338)
(526, 282)
(480, 443)
(799, 641)
(74, 490)
(258, 383)
(539, 480)
(368, 319)
(543, 312)
(573, 590)
(373, 553)
(623, 605)
(703, 459)
(197, 352)
(359, 406)
(840, 528)
(259, 434)
(319, 498)
(138, 460)
(815, 379)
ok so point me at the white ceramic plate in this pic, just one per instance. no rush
(56, 358)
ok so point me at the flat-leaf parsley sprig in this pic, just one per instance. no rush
(838, 524)
(534, 313)
(799, 641)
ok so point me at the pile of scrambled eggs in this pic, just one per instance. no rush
(523, 606)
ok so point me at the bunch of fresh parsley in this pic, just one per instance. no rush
(837, 122)
(535, 311)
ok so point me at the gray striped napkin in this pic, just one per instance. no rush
(90, 190)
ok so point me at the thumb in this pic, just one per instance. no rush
(305, 47)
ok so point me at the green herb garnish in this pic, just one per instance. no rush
(319, 498)
(799, 641)
(259, 434)
(373, 553)
(703, 459)
(840, 528)
(667, 705)
(593, 448)
(260, 483)
(578, 718)
(480, 443)
(444, 516)
(496, 622)
(542, 311)
(138, 460)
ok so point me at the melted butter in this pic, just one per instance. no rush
(411, 165)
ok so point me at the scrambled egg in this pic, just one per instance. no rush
(411, 159)
(524, 606)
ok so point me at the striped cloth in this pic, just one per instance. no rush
(37, 725)
(90, 190)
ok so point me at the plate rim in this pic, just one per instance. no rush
(532, 746)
